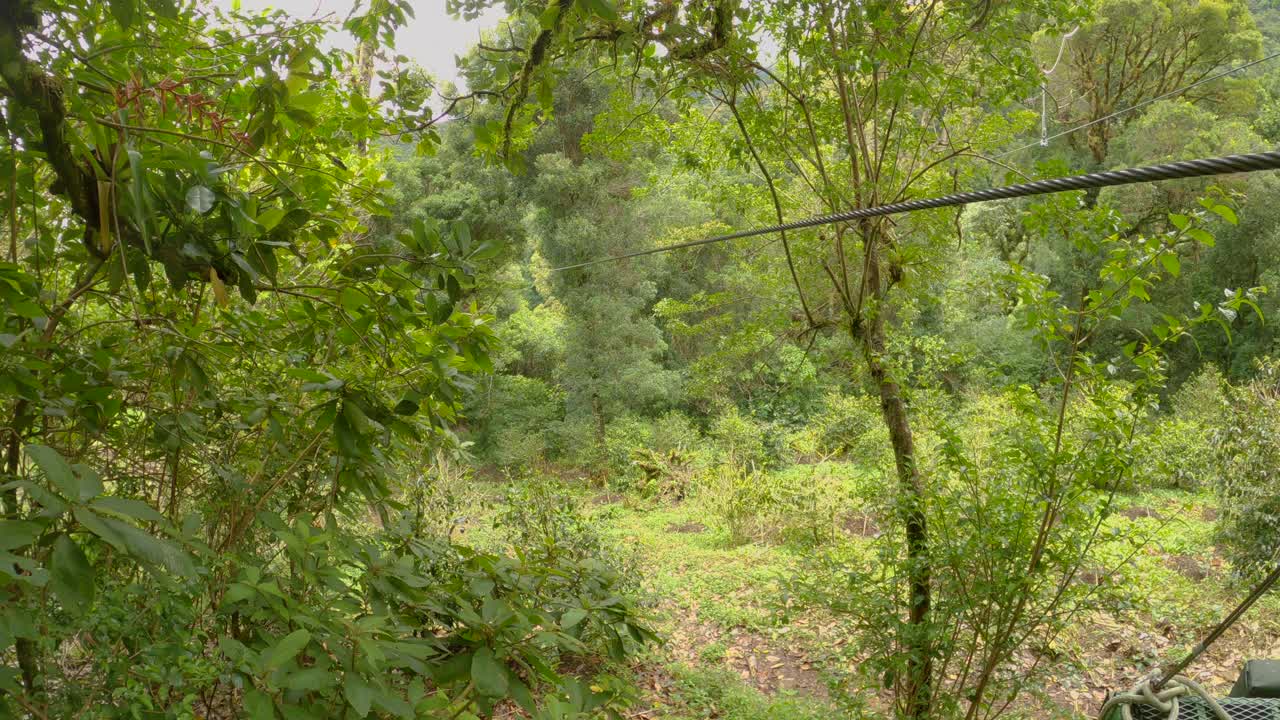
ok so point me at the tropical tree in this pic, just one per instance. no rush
(1131, 51)
(214, 371)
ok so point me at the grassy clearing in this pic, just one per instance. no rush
(732, 653)
(734, 650)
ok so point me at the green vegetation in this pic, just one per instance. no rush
(315, 403)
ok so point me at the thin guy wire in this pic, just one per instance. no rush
(1144, 103)
(1203, 167)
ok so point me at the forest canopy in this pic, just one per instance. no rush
(330, 389)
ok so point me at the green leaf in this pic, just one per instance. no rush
(71, 576)
(547, 20)
(352, 299)
(1171, 263)
(1179, 221)
(309, 679)
(138, 182)
(287, 648)
(487, 674)
(602, 8)
(270, 217)
(393, 704)
(453, 670)
(123, 11)
(18, 533)
(237, 592)
(1202, 236)
(1225, 213)
(135, 509)
(358, 693)
(520, 693)
(129, 539)
(56, 469)
(258, 705)
(88, 480)
(52, 504)
(572, 618)
(28, 309)
(200, 199)
(1138, 289)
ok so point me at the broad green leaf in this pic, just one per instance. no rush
(138, 182)
(258, 705)
(18, 533)
(309, 679)
(56, 469)
(89, 483)
(1225, 213)
(232, 648)
(123, 11)
(547, 19)
(453, 670)
(1171, 263)
(358, 693)
(71, 576)
(52, 504)
(352, 299)
(288, 647)
(521, 694)
(164, 8)
(487, 674)
(572, 618)
(393, 704)
(1202, 236)
(237, 592)
(602, 8)
(307, 374)
(270, 217)
(129, 539)
(135, 509)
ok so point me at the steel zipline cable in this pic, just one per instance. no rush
(1203, 167)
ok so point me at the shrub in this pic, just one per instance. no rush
(985, 504)
(806, 502)
(396, 624)
(513, 416)
(1203, 398)
(622, 437)
(736, 500)
(658, 460)
(1176, 453)
(542, 521)
(850, 427)
(675, 431)
(1179, 450)
(574, 441)
(1249, 527)
(739, 439)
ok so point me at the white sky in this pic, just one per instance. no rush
(432, 37)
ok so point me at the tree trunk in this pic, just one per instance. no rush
(26, 650)
(918, 685)
(597, 411)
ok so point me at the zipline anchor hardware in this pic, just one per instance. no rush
(1172, 695)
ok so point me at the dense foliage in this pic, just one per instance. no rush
(293, 338)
